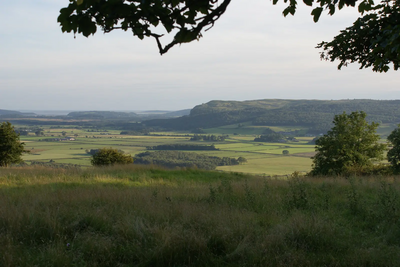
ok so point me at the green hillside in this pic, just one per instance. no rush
(314, 114)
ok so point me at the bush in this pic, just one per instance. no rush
(110, 156)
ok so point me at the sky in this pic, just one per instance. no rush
(252, 52)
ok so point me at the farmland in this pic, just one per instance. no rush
(262, 158)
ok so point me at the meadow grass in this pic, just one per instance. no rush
(147, 216)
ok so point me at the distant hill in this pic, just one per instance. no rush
(101, 115)
(315, 114)
(119, 115)
(10, 113)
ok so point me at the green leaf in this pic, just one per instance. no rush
(87, 26)
(316, 13)
(308, 2)
(79, 2)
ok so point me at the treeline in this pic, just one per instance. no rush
(138, 132)
(182, 147)
(271, 136)
(173, 159)
(209, 138)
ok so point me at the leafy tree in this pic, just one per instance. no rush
(11, 148)
(352, 143)
(285, 152)
(242, 160)
(110, 156)
(373, 40)
(393, 154)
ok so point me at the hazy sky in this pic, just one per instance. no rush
(252, 52)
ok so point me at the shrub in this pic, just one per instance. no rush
(110, 156)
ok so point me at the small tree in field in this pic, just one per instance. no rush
(11, 148)
(110, 156)
(242, 160)
(351, 144)
(393, 154)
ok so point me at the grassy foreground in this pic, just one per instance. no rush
(146, 216)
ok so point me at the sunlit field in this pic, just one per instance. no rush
(263, 158)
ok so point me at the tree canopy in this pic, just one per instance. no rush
(351, 144)
(373, 40)
(393, 154)
(11, 148)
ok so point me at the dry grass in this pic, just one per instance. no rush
(145, 216)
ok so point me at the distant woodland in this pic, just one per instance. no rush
(316, 115)
(173, 159)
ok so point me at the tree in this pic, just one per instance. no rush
(110, 156)
(242, 160)
(393, 155)
(39, 132)
(285, 152)
(352, 143)
(11, 148)
(371, 41)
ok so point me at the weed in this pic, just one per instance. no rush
(213, 194)
(265, 189)
(225, 186)
(388, 201)
(249, 195)
(298, 196)
(154, 194)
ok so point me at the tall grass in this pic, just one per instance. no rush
(147, 216)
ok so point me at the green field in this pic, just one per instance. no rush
(263, 158)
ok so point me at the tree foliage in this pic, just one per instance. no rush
(373, 40)
(11, 148)
(110, 156)
(270, 135)
(393, 154)
(351, 143)
(185, 18)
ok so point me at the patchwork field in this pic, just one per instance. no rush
(262, 158)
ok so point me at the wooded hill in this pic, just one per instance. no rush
(315, 114)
